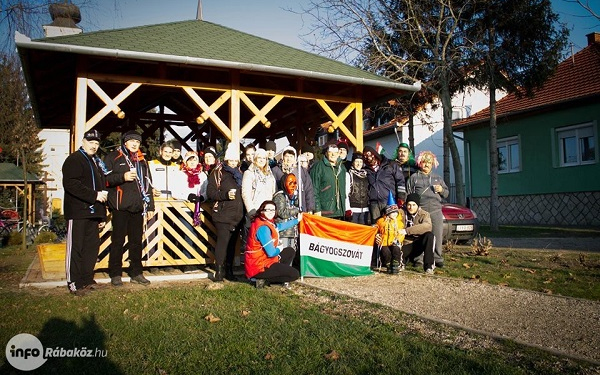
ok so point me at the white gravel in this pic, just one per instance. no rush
(565, 325)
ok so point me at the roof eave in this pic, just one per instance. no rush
(24, 42)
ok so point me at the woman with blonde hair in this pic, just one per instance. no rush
(432, 190)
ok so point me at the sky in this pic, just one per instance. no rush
(272, 19)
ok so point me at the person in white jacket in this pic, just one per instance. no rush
(258, 185)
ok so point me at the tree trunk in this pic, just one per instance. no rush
(494, 203)
(451, 146)
(25, 198)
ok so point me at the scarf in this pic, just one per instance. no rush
(193, 175)
(237, 174)
(133, 161)
(358, 173)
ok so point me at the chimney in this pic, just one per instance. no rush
(65, 18)
(593, 38)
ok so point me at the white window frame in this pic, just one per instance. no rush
(322, 140)
(578, 132)
(507, 142)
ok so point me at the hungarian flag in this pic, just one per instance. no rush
(330, 248)
(379, 149)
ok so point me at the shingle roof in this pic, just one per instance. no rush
(209, 41)
(576, 78)
(10, 173)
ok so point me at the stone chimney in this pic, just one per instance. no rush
(65, 17)
(593, 38)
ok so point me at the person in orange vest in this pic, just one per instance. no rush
(265, 260)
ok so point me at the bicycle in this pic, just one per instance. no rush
(52, 226)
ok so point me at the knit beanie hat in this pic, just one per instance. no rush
(132, 134)
(231, 153)
(210, 150)
(307, 148)
(270, 146)
(289, 150)
(414, 197)
(357, 155)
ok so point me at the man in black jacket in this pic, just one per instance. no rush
(130, 201)
(83, 181)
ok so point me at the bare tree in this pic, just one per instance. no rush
(588, 8)
(404, 40)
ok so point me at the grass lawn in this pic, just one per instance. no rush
(193, 328)
(566, 273)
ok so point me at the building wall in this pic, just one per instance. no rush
(429, 124)
(56, 150)
(540, 172)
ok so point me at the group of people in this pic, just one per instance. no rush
(252, 194)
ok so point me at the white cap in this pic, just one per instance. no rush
(232, 153)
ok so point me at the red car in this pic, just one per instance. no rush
(460, 223)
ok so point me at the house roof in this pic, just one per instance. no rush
(202, 42)
(198, 53)
(11, 174)
(576, 79)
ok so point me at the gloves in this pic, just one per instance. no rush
(348, 214)
(195, 198)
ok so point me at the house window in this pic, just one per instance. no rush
(509, 160)
(577, 145)
(322, 140)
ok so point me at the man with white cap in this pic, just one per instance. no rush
(85, 211)
(224, 189)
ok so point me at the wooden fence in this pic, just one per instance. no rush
(170, 238)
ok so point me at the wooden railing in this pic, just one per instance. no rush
(170, 238)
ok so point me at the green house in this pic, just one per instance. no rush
(549, 170)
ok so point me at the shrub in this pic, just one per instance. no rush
(15, 238)
(45, 237)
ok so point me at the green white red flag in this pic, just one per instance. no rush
(332, 248)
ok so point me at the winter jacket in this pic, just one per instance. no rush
(390, 229)
(257, 188)
(357, 187)
(82, 180)
(225, 210)
(307, 188)
(329, 182)
(287, 209)
(388, 178)
(422, 184)
(416, 225)
(180, 188)
(164, 176)
(130, 196)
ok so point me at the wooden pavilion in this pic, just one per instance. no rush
(206, 82)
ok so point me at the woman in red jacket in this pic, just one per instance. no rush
(264, 261)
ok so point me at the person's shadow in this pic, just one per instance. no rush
(59, 333)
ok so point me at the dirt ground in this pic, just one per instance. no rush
(562, 325)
